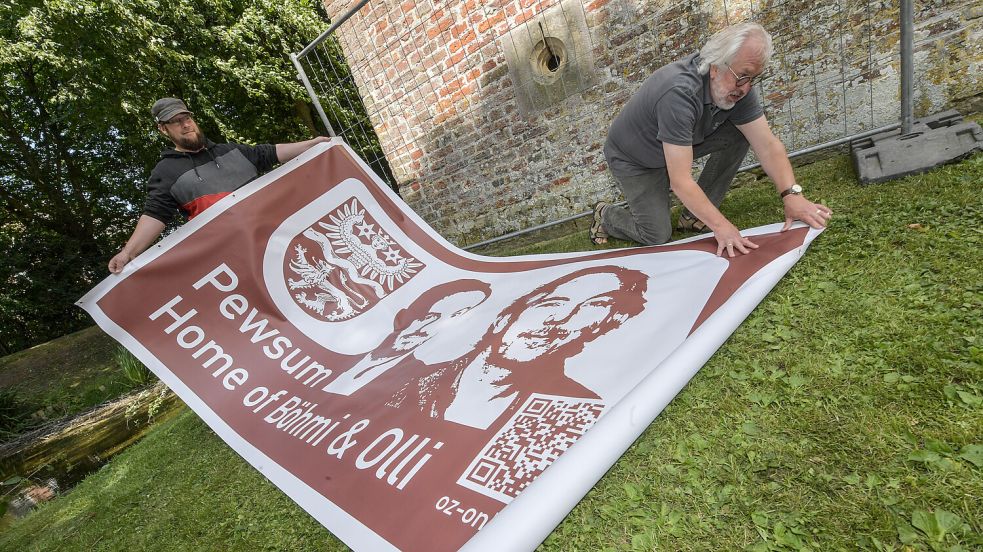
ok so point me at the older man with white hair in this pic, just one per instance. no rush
(703, 104)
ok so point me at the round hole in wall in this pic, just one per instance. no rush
(548, 59)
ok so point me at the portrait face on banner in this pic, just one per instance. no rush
(428, 315)
(561, 317)
(528, 345)
(431, 313)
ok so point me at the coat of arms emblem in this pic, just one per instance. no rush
(344, 264)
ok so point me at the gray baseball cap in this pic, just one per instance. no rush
(166, 109)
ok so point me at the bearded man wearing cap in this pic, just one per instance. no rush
(195, 174)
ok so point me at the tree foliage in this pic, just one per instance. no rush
(77, 79)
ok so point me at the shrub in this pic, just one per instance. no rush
(133, 369)
(15, 415)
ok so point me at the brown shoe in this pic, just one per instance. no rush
(689, 223)
(596, 233)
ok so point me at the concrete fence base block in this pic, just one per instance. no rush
(933, 141)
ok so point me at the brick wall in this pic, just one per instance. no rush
(481, 148)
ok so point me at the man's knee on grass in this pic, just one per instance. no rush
(654, 232)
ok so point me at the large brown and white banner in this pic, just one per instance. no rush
(406, 393)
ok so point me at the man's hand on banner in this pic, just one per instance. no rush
(118, 261)
(798, 207)
(730, 238)
(146, 232)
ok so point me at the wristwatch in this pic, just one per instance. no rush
(794, 190)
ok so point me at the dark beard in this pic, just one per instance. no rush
(192, 144)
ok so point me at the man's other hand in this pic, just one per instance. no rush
(798, 207)
(729, 239)
(118, 261)
(147, 230)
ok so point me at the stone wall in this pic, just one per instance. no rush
(493, 114)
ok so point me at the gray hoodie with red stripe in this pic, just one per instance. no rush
(192, 182)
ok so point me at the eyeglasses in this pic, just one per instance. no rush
(180, 120)
(741, 80)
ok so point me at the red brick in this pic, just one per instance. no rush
(487, 23)
(451, 87)
(474, 46)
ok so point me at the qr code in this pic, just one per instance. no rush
(536, 435)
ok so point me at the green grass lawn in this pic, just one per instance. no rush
(846, 413)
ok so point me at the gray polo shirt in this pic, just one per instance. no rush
(674, 106)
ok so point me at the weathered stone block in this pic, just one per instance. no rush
(549, 56)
